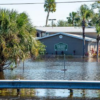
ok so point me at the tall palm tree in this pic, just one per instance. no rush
(49, 6)
(96, 22)
(98, 38)
(84, 15)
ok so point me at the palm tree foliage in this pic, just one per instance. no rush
(49, 6)
(72, 18)
(16, 37)
(75, 18)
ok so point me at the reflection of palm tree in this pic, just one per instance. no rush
(2, 75)
(83, 91)
(71, 93)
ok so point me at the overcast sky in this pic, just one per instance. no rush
(38, 15)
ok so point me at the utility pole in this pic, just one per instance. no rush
(52, 21)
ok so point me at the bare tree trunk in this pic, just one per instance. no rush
(47, 17)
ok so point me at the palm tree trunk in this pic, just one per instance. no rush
(83, 42)
(47, 17)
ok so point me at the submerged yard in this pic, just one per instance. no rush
(53, 69)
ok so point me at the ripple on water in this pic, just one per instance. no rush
(77, 69)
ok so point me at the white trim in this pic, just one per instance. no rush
(84, 81)
(70, 35)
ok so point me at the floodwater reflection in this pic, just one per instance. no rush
(2, 76)
(51, 69)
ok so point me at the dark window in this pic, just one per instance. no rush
(37, 34)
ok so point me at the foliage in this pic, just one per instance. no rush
(98, 29)
(49, 6)
(61, 23)
(96, 5)
(75, 18)
(16, 37)
(72, 18)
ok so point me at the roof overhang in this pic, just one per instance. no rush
(70, 35)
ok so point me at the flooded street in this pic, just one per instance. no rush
(53, 69)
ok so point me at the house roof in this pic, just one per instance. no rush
(66, 29)
(70, 35)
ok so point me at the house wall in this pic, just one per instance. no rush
(73, 44)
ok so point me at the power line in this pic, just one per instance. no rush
(78, 1)
(43, 3)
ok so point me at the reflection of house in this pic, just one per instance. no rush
(44, 31)
(69, 44)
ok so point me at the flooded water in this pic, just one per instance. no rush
(53, 69)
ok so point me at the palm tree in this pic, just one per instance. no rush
(16, 38)
(98, 38)
(96, 22)
(49, 6)
(97, 25)
(86, 13)
(71, 18)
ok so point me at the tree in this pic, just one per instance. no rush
(96, 22)
(75, 18)
(86, 13)
(96, 5)
(54, 25)
(61, 23)
(71, 18)
(49, 6)
(98, 37)
(16, 38)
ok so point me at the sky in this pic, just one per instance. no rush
(37, 14)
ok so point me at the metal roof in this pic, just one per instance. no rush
(70, 35)
(66, 29)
